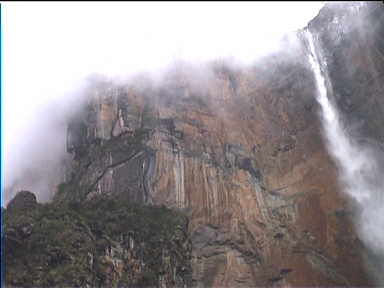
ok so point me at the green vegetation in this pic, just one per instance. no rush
(97, 243)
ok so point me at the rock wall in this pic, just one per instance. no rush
(240, 150)
(352, 44)
(352, 47)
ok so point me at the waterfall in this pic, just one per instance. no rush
(359, 172)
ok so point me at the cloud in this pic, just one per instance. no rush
(49, 48)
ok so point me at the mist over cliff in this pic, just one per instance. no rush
(44, 73)
(269, 146)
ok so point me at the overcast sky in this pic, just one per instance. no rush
(49, 47)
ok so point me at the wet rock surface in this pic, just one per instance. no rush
(351, 38)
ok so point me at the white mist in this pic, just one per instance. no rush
(360, 174)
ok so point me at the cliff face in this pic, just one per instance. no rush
(352, 44)
(240, 150)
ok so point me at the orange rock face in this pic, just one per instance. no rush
(240, 150)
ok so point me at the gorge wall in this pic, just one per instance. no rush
(239, 149)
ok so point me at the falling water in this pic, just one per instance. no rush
(360, 174)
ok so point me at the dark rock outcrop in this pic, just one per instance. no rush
(23, 201)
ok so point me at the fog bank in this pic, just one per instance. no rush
(50, 48)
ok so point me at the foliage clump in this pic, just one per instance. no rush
(97, 243)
